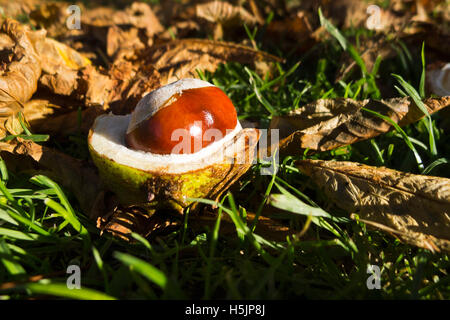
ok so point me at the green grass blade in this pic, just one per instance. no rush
(434, 164)
(419, 103)
(422, 76)
(61, 290)
(32, 137)
(3, 171)
(13, 267)
(258, 94)
(145, 269)
(295, 205)
(28, 223)
(45, 181)
(271, 83)
(243, 229)
(66, 210)
(18, 234)
(23, 124)
(377, 151)
(212, 249)
(76, 224)
(333, 30)
(403, 133)
(101, 266)
(266, 194)
(7, 218)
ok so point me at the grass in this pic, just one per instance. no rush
(43, 231)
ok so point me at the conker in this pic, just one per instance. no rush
(193, 112)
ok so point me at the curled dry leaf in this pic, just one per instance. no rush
(39, 109)
(415, 208)
(20, 72)
(119, 88)
(139, 15)
(137, 25)
(99, 91)
(53, 17)
(330, 123)
(94, 86)
(225, 13)
(123, 43)
(292, 32)
(181, 58)
(44, 119)
(132, 81)
(356, 14)
(122, 221)
(77, 176)
(179, 30)
(16, 8)
(60, 65)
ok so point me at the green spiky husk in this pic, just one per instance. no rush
(172, 190)
(134, 186)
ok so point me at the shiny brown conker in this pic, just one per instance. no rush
(194, 112)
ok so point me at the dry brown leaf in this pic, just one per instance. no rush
(142, 16)
(138, 14)
(414, 207)
(60, 64)
(181, 58)
(39, 109)
(13, 9)
(180, 30)
(52, 16)
(354, 13)
(330, 123)
(19, 75)
(77, 176)
(94, 86)
(54, 54)
(225, 13)
(123, 43)
(62, 124)
(99, 91)
(119, 88)
(97, 23)
(122, 221)
(132, 81)
(291, 32)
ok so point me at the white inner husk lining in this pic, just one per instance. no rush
(108, 140)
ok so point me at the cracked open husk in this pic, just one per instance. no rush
(138, 177)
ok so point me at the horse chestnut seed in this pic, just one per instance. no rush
(183, 120)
